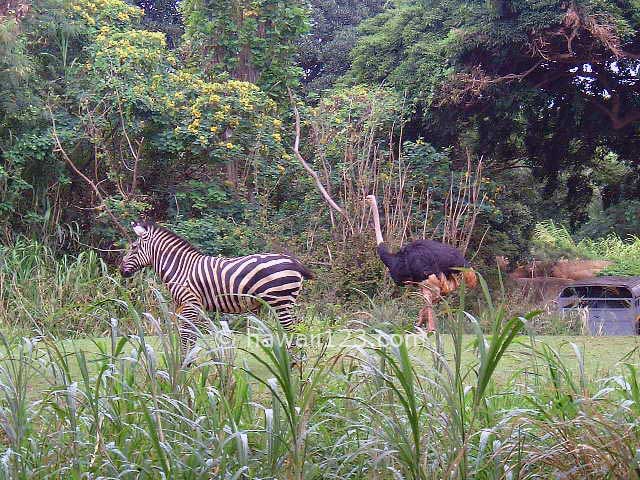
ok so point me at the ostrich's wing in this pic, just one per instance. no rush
(426, 257)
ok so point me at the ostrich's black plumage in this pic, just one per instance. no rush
(416, 261)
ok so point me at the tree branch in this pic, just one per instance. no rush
(307, 167)
(59, 148)
(618, 121)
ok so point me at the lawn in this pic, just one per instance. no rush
(601, 356)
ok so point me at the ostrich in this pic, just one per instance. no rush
(432, 265)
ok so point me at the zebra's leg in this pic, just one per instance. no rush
(189, 319)
(285, 316)
(287, 319)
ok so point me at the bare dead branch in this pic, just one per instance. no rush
(307, 167)
(60, 149)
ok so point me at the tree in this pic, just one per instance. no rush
(253, 41)
(324, 52)
(100, 122)
(541, 85)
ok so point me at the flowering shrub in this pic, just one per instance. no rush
(100, 13)
(130, 52)
(222, 120)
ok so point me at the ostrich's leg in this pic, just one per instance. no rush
(445, 284)
(426, 313)
(430, 290)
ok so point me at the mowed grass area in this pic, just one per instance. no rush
(599, 356)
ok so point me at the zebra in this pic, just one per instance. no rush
(199, 282)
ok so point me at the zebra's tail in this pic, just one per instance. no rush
(306, 273)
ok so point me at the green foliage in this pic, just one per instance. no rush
(127, 117)
(192, 131)
(556, 241)
(510, 216)
(422, 44)
(324, 54)
(217, 235)
(620, 219)
(97, 14)
(217, 220)
(220, 122)
(163, 16)
(254, 41)
(502, 79)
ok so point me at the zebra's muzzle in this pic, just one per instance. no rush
(126, 273)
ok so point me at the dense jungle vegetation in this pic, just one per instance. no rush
(179, 112)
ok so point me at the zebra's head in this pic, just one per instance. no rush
(139, 254)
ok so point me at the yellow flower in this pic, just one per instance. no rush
(214, 129)
(277, 137)
(229, 146)
(193, 126)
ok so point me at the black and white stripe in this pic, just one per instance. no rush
(227, 285)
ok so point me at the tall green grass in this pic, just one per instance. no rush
(393, 407)
(66, 295)
(555, 241)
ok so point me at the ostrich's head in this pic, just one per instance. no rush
(139, 254)
(370, 200)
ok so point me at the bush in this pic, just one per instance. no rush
(620, 219)
(552, 242)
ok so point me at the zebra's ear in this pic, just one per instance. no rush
(139, 229)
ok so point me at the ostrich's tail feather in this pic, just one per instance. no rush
(470, 278)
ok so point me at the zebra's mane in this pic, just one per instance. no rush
(174, 236)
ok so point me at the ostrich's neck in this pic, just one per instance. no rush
(376, 223)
